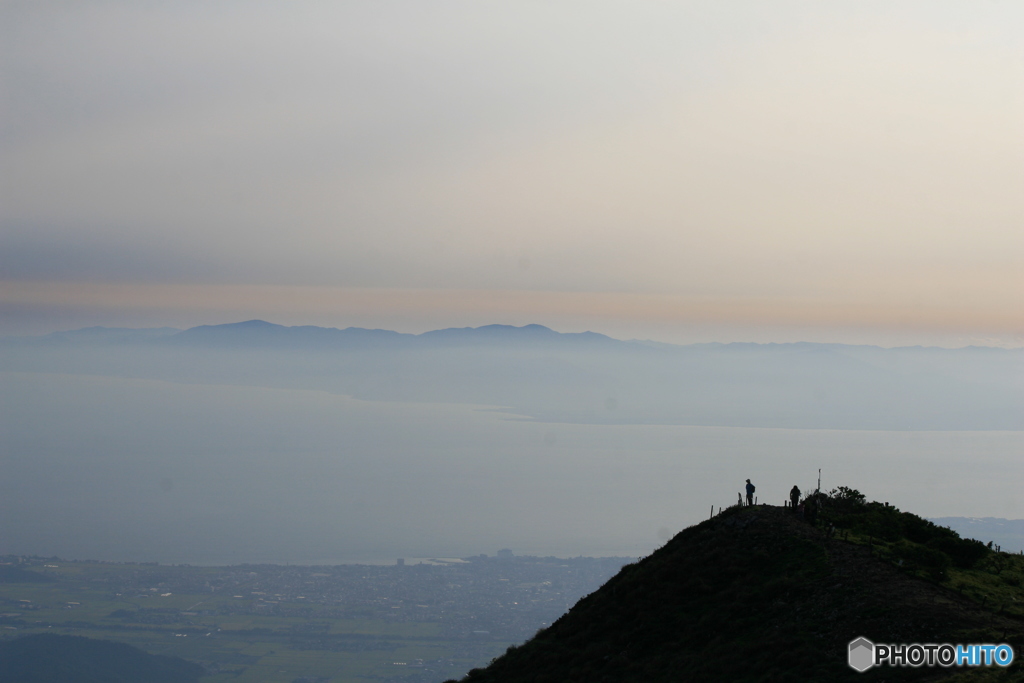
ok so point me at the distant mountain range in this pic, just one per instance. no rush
(258, 333)
(575, 378)
(262, 334)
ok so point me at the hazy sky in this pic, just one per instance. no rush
(846, 171)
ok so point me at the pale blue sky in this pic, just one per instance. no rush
(842, 171)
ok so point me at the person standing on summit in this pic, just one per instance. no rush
(750, 493)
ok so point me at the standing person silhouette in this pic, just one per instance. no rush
(750, 493)
(794, 497)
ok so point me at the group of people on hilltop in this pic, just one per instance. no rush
(808, 509)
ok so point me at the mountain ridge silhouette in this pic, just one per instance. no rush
(757, 594)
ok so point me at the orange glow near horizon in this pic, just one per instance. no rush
(417, 310)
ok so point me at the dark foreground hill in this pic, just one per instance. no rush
(51, 658)
(756, 594)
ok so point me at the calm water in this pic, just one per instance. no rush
(124, 469)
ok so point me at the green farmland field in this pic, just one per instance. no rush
(273, 624)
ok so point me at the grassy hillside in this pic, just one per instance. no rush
(758, 594)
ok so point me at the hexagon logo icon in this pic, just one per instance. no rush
(861, 654)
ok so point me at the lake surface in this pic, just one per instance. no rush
(146, 470)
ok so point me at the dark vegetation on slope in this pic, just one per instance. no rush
(50, 658)
(758, 594)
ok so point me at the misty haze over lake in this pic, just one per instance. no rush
(255, 443)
